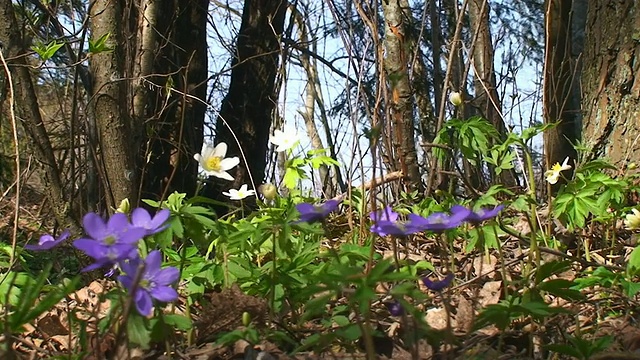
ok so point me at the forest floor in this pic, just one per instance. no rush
(481, 280)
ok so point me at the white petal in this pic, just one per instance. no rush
(207, 150)
(243, 188)
(220, 150)
(197, 157)
(220, 174)
(229, 163)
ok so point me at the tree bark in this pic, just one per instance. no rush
(487, 101)
(116, 150)
(170, 97)
(401, 101)
(610, 81)
(558, 80)
(245, 117)
(28, 111)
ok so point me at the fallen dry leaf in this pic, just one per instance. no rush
(464, 315)
(490, 293)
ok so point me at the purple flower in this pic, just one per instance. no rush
(48, 242)
(108, 242)
(141, 218)
(395, 308)
(439, 222)
(387, 214)
(483, 214)
(311, 213)
(438, 285)
(413, 225)
(154, 283)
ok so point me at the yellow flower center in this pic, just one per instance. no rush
(145, 284)
(213, 163)
(110, 240)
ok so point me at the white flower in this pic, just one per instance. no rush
(213, 161)
(554, 174)
(239, 194)
(284, 140)
(455, 98)
(632, 221)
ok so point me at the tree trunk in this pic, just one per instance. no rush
(401, 102)
(28, 111)
(558, 81)
(314, 95)
(245, 117)
(610, 81)
(116, 149)
(172, 102)
(487, 101)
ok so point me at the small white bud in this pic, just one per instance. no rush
(124, 207)
(269, 191)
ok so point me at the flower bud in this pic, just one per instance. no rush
(455, 98)
(125, 206)
(246, 318)
(632, 166)
(269, 191)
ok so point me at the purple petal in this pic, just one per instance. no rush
(438, 285)
(418, 223)
(164, 293)
(94, 226)
(92, 248)
(65, 234)
(395, 309)
(131, 235)
(483, 214)
(160, 218)
(118, 222)
(459, 214)
(330, 206)
(48, 242)
(386, 214)
(167, 276)
(130, 267)
(153, 262)
(394, 228)
(143, 302)
(140, 218)
(305, 208)
(126, 281)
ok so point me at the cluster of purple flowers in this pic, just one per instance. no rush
(311, 213)
(386, 220)
(114, 243)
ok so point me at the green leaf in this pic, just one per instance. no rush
(341, 320)
(633, 266)
(351, 332)
(561, 288)
(177, 321)
(47, 51)
(551, 268)
(631, 288)
(99, 45)
(138, 330)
